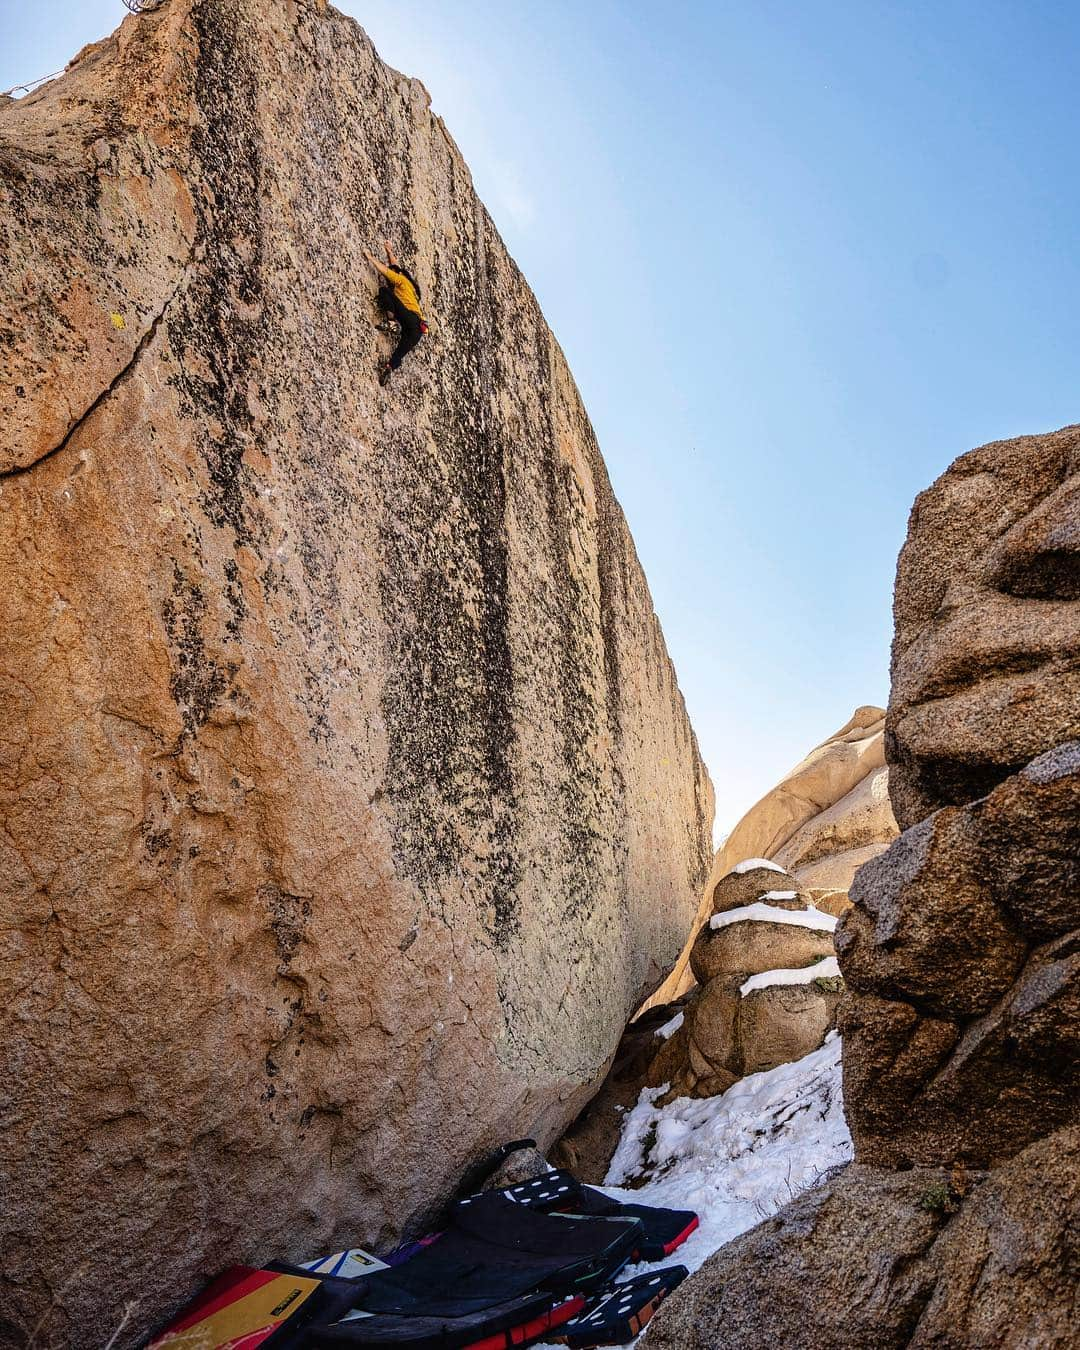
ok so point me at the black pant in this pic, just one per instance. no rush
(408, 322)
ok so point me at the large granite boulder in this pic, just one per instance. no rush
(962, 1038)
(825, 777)
(986, 652)
(349, 802)
(751, 881)
(875, 1260)
(760, 1000)
(750, 948)
(735, 1033)
(826, 818)
(963, 949)
(829, 849)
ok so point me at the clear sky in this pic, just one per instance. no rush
(799, 255)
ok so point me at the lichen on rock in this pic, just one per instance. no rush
(349, 803)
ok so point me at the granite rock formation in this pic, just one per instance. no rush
(348, 803)
(826, 818)
(986, 651)
(963, 949)
(733, 1025)
(872, 1260)
(958, 1224)
(827, 807)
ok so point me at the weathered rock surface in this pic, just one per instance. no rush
(824, 820)
(831, 847)
(739, 888)
(589, 1144)
(962, 1038)
(349, 805)
(986, 652)
(728, 1031)
(828, 773)
(876, 1260)
(750, 948)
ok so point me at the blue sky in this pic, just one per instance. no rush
(799, 256)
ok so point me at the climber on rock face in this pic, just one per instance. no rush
(399, 296)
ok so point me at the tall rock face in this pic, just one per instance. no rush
(962, 1039)
(349, 804)
(959, 1224)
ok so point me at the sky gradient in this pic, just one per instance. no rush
(799, 258)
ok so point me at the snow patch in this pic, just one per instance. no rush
(737, 1158)
(762, 913)
(768, 979)
(670, 1028)
(750, 864)
(779, 895)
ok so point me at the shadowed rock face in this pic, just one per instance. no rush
(986, 652)
(349, 804)
(877, 1260)
(962, 1037)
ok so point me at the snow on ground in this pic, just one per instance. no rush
(749, 864)
(779, 895)
(670, 1028)
(737, 1158)
(828, 969)
(762, 913)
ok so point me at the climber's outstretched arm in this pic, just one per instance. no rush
(389, 253)
(382, 271)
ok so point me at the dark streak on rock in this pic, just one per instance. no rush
(197, 683)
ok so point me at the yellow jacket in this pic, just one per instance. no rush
(404, 290)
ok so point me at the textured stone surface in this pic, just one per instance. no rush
(962, 952)
(750, 948)
(748, 1033)
(349, 804)
(986, 652)
(878, 1260)
(589, 1143)
(833, 845)
(727, 1034)
(827, 774)
(824, 820)
(736, 889)
(962, 955)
